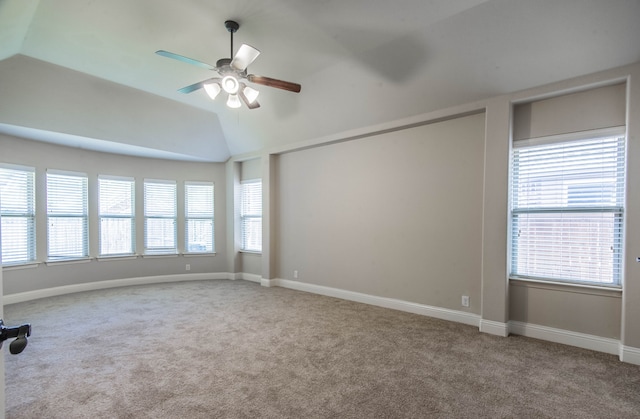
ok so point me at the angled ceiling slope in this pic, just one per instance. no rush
(361, 63)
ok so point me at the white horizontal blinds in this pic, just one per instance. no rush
(67, 215)
(18, 211)
(199, 222)
(567, 202)
(160, 213)
(116, 209)
(251, 215)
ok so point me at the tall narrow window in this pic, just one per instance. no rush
(251, 215)
(117, 215)
(567, 209)
(199, 225)
(67, 215)
(18, 211)
(160, 217)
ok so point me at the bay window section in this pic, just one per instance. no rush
(116, 212)
(18, 213)
(67, 216)
(160, 217)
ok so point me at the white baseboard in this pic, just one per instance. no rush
(425, 310)
(265, 282)
(566, 337)
(494, 328)
(250, 277)
(630, 354)
(113, 283)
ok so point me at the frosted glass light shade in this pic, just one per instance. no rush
(233, 101)
(212, 90)
(250, 93)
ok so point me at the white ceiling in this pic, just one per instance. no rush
(360, 62)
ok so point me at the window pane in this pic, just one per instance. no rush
(17, 197)
(67, 237)
(200, 235)
(160, 234)
(67, 233)
(117, 224)
(17, 240)
(199, 220)
(567, 210)
(160, 217)
(251, 216)
(569, 246)
(116, 236)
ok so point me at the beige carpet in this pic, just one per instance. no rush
(234, 349)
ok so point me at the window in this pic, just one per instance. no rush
(567, 207)
(117, 215)
(198, 209)
(251, 215)
(18, 211)
(160, 217)
(67, 211)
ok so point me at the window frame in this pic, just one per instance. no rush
(616, 236)
(199, 217)
(160, 250)
(29, 215)
(245, 215)
(55, 214)
(117, 216)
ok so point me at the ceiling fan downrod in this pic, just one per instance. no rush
(232, 27)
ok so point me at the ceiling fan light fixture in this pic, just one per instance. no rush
(250, 93)
(212, 89)
(233, 101)
(230, 85)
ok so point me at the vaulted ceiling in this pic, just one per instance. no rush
(84, 72)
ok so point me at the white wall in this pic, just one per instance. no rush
(43, 156)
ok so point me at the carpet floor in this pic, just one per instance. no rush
(234, 349)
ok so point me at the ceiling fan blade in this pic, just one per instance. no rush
(185, 59)
(278, 84)
(245, 56)
(196, 86)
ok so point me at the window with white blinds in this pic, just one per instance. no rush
(198, 214)
(67, 215)
(160, 217)
(116, 212)
(251, 215)
(18, 211)
(567, 209)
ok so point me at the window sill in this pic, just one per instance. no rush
(16, 267)
(251, 252)
(116, 257)
(613, 291)
(68, 261)
(196, 254)
(160, 255)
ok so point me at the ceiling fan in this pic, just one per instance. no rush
(232, 73)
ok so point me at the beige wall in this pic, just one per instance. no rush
(43, 156)
(583, 310)
(397, 215)
(44, 96)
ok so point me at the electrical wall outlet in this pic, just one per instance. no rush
(295, 274)
(465, 301)
(187, 267)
